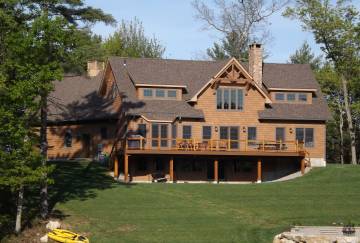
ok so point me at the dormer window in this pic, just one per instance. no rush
(303, 97)
(148, 92)
(291, 97)
(171, 94)
(159, 93)
(279, 96)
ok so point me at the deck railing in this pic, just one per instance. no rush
(193, 144)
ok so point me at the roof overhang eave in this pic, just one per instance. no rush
(292, 89)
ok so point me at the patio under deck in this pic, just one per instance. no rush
(210, 148)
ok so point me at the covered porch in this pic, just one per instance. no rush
(190, 168)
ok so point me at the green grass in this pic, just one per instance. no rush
(106, 211)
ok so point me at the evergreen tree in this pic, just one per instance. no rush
(37, 39)
(304, 55)
(230, 46)
(130, 41)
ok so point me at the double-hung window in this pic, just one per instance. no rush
(252, 136)
(280, 134)
(206, 133)
(305, 135)
(186, 132)
(229, 99)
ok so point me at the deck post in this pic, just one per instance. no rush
(216, 171)
(259, 171)
(171, 168)
(126, 168)
(302, 166)
(116, 166)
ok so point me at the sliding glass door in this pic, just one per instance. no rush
(232, 134)
(159, 135)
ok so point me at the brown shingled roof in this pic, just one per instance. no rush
(169, 110)
(193, 74)
(292, 76)
(317, 111)
(75, 98)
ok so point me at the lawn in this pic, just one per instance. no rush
(89, 201)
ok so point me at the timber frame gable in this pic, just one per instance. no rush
(232, 73)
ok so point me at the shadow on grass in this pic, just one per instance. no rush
(73, 180)
(78, 180)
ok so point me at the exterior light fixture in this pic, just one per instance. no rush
(216, 129)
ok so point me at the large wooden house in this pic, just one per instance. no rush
(183, 120)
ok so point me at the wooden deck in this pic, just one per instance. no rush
(213, 147)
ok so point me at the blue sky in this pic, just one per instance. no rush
(174, 24)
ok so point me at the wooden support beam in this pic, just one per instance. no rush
(171, 168)
(302, 166)
(126, 167)
(216, 171)
(116, 166)
(259, 171)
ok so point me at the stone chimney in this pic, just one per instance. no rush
(94, 68)
(256, 62)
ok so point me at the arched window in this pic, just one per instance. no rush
(68, 138)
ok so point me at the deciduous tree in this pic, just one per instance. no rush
(336, 29)
(239, 21)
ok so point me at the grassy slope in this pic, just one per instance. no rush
(110, 212)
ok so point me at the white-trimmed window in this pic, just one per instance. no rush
(171, 94)
(206, 132)
(290, 96)
(148, 93)
(187, 132)
(160, 93)
(151, 93)
(305, 135)
(302, 97)
(229, 99)
(280, 96)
